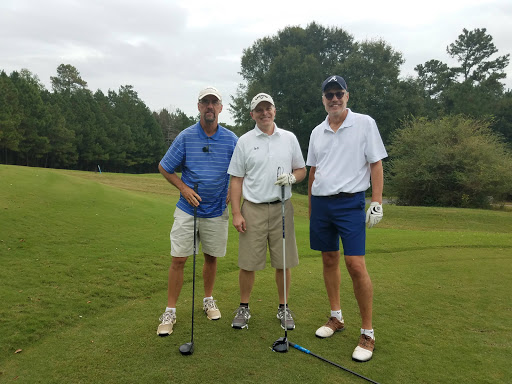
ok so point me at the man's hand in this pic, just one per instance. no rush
(190, 195)
(285, 179)
(239, 222)
(374, 214)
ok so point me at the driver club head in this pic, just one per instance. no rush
(187, 348)
(280, 345)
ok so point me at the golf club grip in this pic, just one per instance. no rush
(302, 349)
(330, 362)
(195, 207)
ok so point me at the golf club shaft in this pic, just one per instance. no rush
(194, 268)
(284, 263)
(307, 351)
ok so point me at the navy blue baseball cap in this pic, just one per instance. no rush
(336, 80)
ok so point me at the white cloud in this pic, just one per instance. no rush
(169, 50)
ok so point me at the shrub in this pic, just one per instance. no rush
(453, 161)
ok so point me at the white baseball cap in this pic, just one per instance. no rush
(259, 98)
(210, 91)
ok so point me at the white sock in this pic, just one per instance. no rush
(172, 310)
(368, 332)
(207, 298)
(337, 314)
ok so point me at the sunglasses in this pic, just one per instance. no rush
(207, 102)
(330, 95)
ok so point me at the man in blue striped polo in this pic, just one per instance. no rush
(203, 152)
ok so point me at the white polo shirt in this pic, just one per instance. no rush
(257, 157)
(342, 158)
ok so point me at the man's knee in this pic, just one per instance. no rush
(331, 259)
(209, 259)
(178, 263)
(356, 266)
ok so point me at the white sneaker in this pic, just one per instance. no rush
(211, 310)
(364, 350)
(168, 319)
(332, 325)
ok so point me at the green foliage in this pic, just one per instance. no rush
(73, 128)
(137, 118)
(372, 73)
(292, 65)
(453, 161)
(68, 80)
(10, 116)
(62, 153)
(172, 123)
(34, 144)
(434, 76)
(473, 50)
(473, 87)
(503, 117)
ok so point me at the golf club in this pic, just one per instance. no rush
(281, 344)
(188, 348)
(307, 351)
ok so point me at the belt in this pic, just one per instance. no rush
(269, 202)
(339, 195)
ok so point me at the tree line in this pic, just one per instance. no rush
(72, 127)
(468, 98)
(292, 64)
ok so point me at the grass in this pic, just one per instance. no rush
(83, 272)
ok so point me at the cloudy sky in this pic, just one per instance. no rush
(169, 49)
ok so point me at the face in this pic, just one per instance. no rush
(264, 115)
(338, 100)
(209, 107)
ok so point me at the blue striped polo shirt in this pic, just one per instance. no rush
(204, 160)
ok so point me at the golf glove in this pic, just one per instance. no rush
(285, 179)
(374, 214)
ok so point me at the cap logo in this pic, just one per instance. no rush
(260, 97)
(332, 79)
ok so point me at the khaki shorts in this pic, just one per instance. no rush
(212, 233)
(265, 226)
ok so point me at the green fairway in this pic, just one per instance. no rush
(84, 259)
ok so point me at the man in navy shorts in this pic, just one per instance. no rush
(345, 153)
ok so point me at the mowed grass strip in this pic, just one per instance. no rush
(83, 266)
(71, 247)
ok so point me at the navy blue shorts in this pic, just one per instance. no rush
(335, 217)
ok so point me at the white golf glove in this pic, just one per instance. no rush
(285, 179)
(374, 214)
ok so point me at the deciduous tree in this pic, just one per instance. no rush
(452, 161)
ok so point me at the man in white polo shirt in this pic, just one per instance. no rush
(260, 156)
(345, 153)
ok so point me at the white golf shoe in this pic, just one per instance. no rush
(364, 350)
(332, 325)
